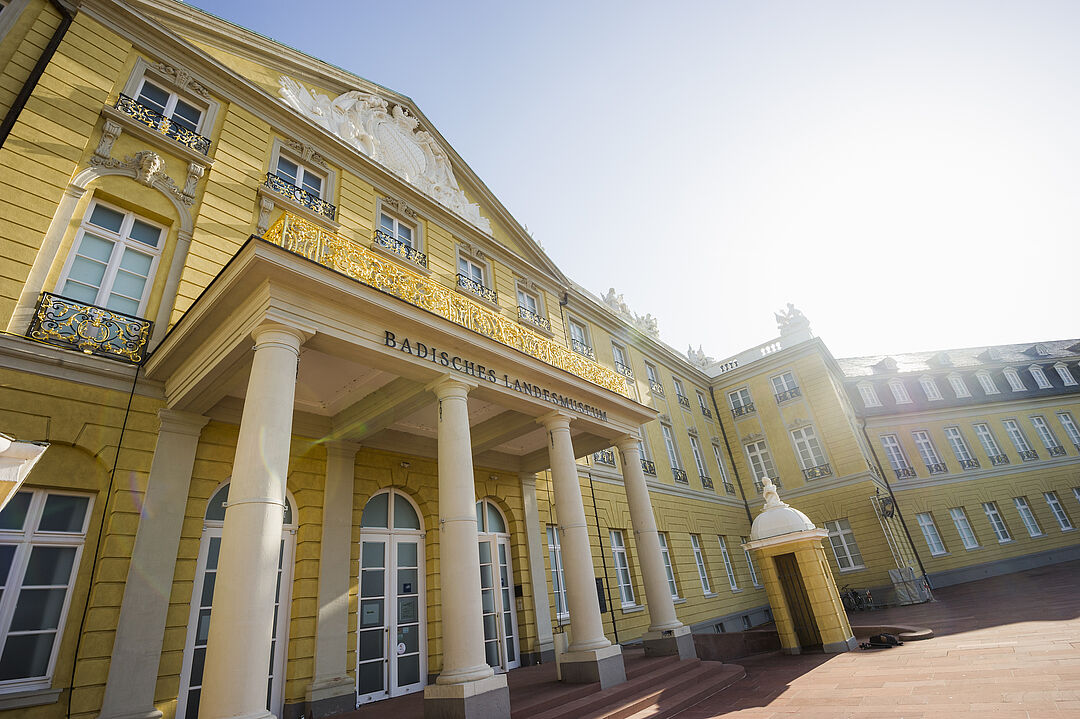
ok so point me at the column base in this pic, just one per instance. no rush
(482, 699)
(670, 642)
(594, 665)
(837, 647)
(331, 696)
(150, 713)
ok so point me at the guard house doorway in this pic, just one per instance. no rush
(806, 628)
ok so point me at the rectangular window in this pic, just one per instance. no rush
(654, 380)
(622, 360)
(558, 579)
(398, 230)
(760, 461)
(170, 105)
(741, 402)
(996, 522)
(1027, 516)
(528, 301)
(699, 458)
(680, 391)
(299, 175)
(1069, 425)
(703, 404)
(622, 568)
(963, 528)
(1039, 376)
(843, 544)
(699, 559)
(1066, 376)
(750, 565)
(897, 460)
(669, 443)
(728, 567)
(41, 540)
(1046, 435)
(720, 464)
(1059, 512)
(783, 383)
(869, 395)
(927, 451)
(899, 392)
(929, 530)
(475, 272)
(959, 446)
(807, 448)
(1016, 435)
(667, 565)
(958, 387)
(987, 383)
(930, 389)
(1013, 378)
(987, 440)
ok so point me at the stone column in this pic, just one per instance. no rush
(133, 671)
(591, 657)
(666, 635)
(466, 687)
(332, 690)
(241, 625)
(545, 644)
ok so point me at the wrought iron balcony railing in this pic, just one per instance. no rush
(605, 456)
(873, 468)
(582, 349)
(93, 330)
(656, 388)
(742, 409)
(156, 121)
(760, 486)
(400, 248)
(1028, 455)
(624, 370)
(680, 475)
(648, 467)
(706, 411)
(822, 470)
(729, 488)
(470, 285)
(706, 481)
(533, 318)
(937, 468)
(969, 463)
(905, 473)
(684, 400)
(298, 194)
(1057, 451)
(788, 394)
(998, 459)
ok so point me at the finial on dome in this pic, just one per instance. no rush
(772, 497)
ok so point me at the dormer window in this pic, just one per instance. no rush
(1039, 350)
(899, 391)
(986, 382)
(1066, 376)
(868, 394)
(956, 382)
(1040, 377)
(930, 389)
(1013, 378)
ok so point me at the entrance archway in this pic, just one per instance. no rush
(497, 588)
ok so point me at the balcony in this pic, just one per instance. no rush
(656, 388)
(788, 394)
(298, 194)
(760, 486)
(706, 411)
(1057, 451)
(905, 473)
(582, 349)
(729, 488)
(401, 249)
(156, 121)
(524, 313)
(92, 330)
(742, 410)
(969, 463)
(470, 285)
(648, 467)
(624, 370)
(684, 400)
(873, 468)
(998, 459)
(605, 456)
(1029, 455)
(706, 482)
(822, 470)
(937, 468)
(680, 475)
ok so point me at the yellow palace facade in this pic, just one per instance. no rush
(296, 417)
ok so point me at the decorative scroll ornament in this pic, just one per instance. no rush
(109, 133)
(645, 324)
(401, 206)
(389, 135)
(149, 169)
(182, 78)
(307, 153)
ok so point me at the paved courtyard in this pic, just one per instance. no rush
(1004, 647)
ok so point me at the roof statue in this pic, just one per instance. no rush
(645, 324)
(793, 322)
(777, 517)
(698, 357)
(389, 135)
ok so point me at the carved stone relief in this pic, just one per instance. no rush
(149, 169)
(182, 78)
(401, 206)
(307, 153)
(266, 206)
(109, 133)
(195, 172)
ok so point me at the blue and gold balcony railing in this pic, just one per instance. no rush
(905, 473)
(1029, 455)
(998, 460)
(625, 371)
(92, 330)
(822, 470)
(680, 475)
(969, 463)
(656, 388)
(684, 400)
(648, 467)
(937, 468)
(524, 313)
(401, 249)
(788, 394)
(331, 250)
(1058, 451)
(742, 409)
(582, 349)
(605, 456)
(156, 121)
(706, 481)
(298, 194)
(706, 411)
(729, 488)
(470, 285)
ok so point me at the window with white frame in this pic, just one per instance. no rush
(1041, 380)
(398, 230)
(1076, 493)
(669, 444)
(868, 395)
(702, 403)
(782, 383)
(899, 391)
(728, 566)
(699, 458)
(1046, 435)
(720, 463)
(959, 446)
(1017, 437)
(760, 461)
(894, 452)
(1063, 372)
(300, 175)
(680, 391)
(114, 257)
(699, 560)
(986, 382)
(750, 564)
(622, 359)
(843, 544)
(927, 450)
(987, 440)
(178, 109)
(930, 533)
(930, 388)
(1059, 512)
(477, 272)
(740, 401)
(1027, 517)
(558, 578)
(956, 382)
(41, 540)
(654, 378)
(996, 522)
(1069, 425)
(807, 448)
(1013, 378)
(622, 568)
(668, 568)
(963, 527)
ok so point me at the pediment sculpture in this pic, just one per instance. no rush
(389, 135)
(646, 324)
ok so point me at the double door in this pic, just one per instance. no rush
(497, 599)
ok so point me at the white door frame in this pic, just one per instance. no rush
(499, 540)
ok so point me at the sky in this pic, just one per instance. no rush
(906, 173)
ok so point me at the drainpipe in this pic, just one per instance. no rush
(603, 561)
(66, 17)
(731, 457)
(900, 514)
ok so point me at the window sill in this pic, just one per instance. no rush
(858, 568)
(296, 208)
(632, 608)
(1006, 541)
(162, 142)
(736, 590)
(942, 554)
(711, 595)
(678, 600)
(404, 262)
(28, 698)
(1070, 529)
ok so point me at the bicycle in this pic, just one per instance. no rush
(853, 600)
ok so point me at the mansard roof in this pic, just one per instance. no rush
(969, 358)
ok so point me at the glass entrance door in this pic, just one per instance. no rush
(497, 599)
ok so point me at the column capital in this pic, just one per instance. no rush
(275, 334)
(627, 442)
(527, 478)
(450, 386)
(555, 420)
(341, 448)
(176, 422)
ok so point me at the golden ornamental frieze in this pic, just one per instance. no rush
(304, 238)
